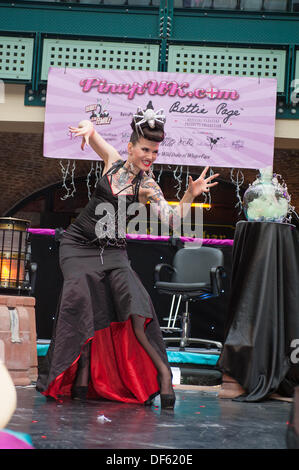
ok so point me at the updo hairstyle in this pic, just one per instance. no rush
(155, 134)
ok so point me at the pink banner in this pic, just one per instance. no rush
(221, 121)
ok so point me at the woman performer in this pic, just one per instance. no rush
(107, 341)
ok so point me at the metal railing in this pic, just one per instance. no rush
(243, 5)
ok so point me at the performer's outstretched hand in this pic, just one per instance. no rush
(90, 137)
(85, 130)
(201, 185)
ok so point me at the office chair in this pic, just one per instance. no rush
(196, 274)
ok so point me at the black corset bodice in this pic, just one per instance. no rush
(98, 223)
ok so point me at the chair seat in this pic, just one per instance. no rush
(191, 288)
(195, 275)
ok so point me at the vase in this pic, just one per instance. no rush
(266, 200)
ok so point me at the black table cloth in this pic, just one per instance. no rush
(263, 320)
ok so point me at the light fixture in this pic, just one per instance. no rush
(193, 204)
(14, 254)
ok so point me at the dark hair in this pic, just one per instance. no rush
(155, 134)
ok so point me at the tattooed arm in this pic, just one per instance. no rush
(151, 191)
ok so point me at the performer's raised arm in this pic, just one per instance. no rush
(91, 137)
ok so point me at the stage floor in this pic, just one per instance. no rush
(200, 420)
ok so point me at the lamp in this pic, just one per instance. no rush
(14, 255)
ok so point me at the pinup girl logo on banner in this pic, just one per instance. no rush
(99, 113)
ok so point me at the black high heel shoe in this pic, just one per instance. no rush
(167, 401)
(149, 402)
(79, 393)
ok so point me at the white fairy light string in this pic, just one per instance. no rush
(187, 177)
(160, 174)
(88, 180)
(178, 179)
(238, 182)
(65, 174)
(98, 172)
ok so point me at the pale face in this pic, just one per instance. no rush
(143, 154)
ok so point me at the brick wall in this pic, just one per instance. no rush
(24, 170)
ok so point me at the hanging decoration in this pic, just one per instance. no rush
(208, 196)
(187, 177)
(238, 181)
(98, 172)
(88, 178)
(159, 175)
(178, 179)
(70, 191)
(68, 171)
(97, 169)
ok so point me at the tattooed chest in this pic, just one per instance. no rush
(121, 183)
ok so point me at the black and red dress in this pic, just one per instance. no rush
(100, 293)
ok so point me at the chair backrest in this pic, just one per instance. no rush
(194, 264)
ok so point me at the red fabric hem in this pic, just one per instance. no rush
(121, 370)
